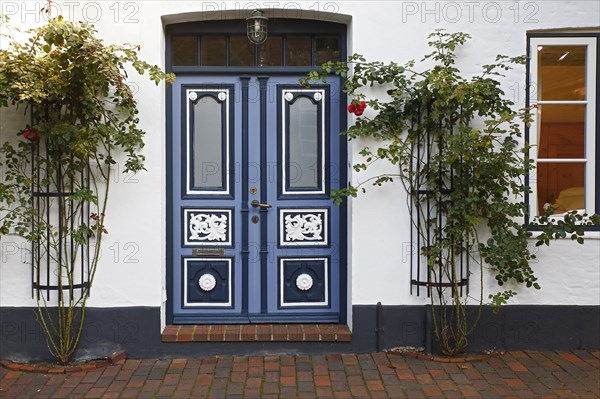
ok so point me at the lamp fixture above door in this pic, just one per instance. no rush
(257, 27)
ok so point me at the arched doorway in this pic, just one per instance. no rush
(252, 235)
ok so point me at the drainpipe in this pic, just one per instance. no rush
(428, 329)
(379, 330)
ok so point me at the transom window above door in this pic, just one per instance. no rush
(233, 50)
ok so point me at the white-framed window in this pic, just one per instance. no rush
(563, 89)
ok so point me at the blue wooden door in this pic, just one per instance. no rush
(255, 236)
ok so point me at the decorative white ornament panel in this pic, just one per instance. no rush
(303, 227)
(304, 282)
(207, 227)
(207, 282)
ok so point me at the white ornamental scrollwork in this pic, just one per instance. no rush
(193, 96)
(208, 227)
(318, 96)
(304, 282)
(207, 282)
(288, 96)
(222, 96)
(303, 227)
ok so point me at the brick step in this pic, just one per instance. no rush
(257, 333)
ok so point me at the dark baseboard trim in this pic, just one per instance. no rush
(137, 331)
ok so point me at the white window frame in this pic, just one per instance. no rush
(589, 124)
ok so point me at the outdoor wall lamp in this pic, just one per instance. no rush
(257, 27)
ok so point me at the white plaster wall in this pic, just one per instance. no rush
(131, 269)
(133, 263)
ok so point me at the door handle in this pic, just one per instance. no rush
(256, 204)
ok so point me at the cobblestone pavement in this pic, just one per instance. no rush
(528, 374)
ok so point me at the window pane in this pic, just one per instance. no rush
(327, 49)
(561, 72)
(208, 144)
(271, 52)
(241, 51)
(560, 185)
(562, 131)
(303, 145)
(214, 51)
(297, 51)
(185, 51)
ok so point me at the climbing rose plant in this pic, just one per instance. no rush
(459, 139)
(73, 87)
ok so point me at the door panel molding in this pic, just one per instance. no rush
(208, 227)
(193, 95)
(287, 96)
(263, 214)
(208, 282)
(244, 210)
(304, 282)
(304, 227)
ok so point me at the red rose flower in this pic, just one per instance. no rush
(357, 108)
(31, 135)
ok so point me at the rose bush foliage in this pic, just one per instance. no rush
(83, 116)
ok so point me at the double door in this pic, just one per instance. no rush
(254, 234)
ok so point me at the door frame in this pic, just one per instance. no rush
(276, 26)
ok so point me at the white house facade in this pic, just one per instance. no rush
(232, 223)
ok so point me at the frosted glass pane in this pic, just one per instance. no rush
(303, 145)
(208, 144)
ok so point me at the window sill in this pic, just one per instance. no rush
(587, 235)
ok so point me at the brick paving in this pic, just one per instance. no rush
(518, 374)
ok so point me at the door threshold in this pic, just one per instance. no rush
(257, 333)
